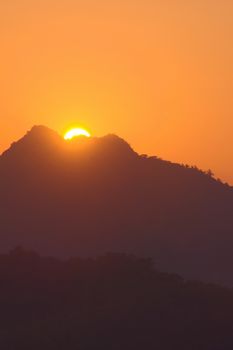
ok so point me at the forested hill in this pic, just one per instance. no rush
(114, 301)
(92, 195)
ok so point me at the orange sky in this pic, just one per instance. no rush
(158, 73)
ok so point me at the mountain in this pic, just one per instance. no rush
(92, 195)
(112, 302)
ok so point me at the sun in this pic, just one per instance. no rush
(75, 132)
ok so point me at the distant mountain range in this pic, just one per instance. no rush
(92, 195)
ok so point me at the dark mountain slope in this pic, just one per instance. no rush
(89, 196)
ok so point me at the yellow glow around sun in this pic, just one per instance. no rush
(69, 135)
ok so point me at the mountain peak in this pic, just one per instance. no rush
(42, 134)
(39, 139)
(112, 144)
(41, 130)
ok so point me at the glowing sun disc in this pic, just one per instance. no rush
(75, 133)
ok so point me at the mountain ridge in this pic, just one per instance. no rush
(89, 196)
(40, 135)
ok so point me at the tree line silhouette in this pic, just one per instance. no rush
(114, 301)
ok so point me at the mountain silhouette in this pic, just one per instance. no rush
(92, 195)
(115, 301)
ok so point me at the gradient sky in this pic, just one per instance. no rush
(158, 73)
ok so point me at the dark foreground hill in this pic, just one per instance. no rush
(112, 302)
(89, 196)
